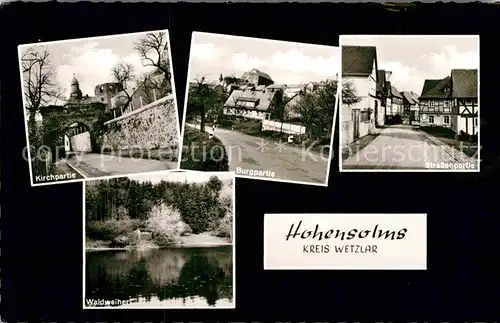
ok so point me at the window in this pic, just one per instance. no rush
(446, 90)
(475, 122)
(246, 104)
(447, 105)
(431, 119)
(431, 104)
(446, 119)
(365, 116)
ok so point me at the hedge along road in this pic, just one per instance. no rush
(287, 162)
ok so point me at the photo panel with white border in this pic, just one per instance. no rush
(410, 103)
(99, 106)
(160, 240)
(262, 108)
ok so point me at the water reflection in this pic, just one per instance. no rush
(161, 277)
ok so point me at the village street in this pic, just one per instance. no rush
(94, 165)
(287, 162)
(402, 147)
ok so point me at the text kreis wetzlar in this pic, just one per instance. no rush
(340, 249)
(318, 234)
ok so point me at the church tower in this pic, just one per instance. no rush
(76, 93)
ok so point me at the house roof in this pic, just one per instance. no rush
(434, 89)
(411, 97)
(414, 97)
(464, 83)
(296, 86)
(395, 92)
(264, 98)
(260, 73)
(358, 60)
(290, 106)
(276, 86)
(380, 80)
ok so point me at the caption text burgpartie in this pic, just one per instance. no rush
(343, 235)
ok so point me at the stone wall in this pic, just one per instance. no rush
(153, 126)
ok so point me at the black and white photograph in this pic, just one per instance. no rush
(261, 108)
(101, 106)
(410, 103)
(160, 240)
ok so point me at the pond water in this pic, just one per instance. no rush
(187, 277)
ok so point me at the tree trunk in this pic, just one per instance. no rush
(202, 122)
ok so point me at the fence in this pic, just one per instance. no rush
(277, 126)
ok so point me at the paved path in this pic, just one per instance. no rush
(288, 162)
(96, 165)
(401, 147)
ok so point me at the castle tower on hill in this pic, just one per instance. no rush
(76, 93)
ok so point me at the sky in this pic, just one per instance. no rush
(285, 62)
(412, 59)
(181, 176)
(91, 59)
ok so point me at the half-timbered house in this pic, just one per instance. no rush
(397, 101)
(359, 67)
(465, 100)
(436, 104)
(410, 107)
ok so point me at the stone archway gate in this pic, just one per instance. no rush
(57, 120)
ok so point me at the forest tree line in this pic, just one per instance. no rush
(200, 204)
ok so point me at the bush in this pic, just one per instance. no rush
(203, 153)
(165, 224)
(463, 136)
(225, 123)
(109, 230)
(224, 226)
(248, 126)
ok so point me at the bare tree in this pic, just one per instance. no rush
(38, 81)
(152, 48)
(122, 73)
